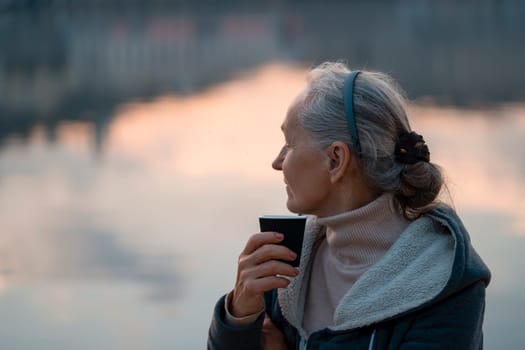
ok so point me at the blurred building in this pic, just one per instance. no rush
(79, 59)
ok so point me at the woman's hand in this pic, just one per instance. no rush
(257, 272)
(272, 337)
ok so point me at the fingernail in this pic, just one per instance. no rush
(279, 236)
(293, 255)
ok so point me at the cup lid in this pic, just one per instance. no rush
(283, 216)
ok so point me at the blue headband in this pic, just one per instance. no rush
(348, 98)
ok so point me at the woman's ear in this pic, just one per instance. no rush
(340, 157)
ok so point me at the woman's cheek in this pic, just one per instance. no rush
(286, 167)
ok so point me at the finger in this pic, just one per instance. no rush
(268, 325)
(259, 239)
(265, 253)
(271, 252)
(265, 284)
(268, 269)
(272, 337)
(267, 320)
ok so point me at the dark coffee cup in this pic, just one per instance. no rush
(291, 226)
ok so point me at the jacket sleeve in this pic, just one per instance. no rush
(223, 336)
(454, 323)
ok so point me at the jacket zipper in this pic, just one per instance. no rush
(372, 338)
(303, 344)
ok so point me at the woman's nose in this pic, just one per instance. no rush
(277, 164)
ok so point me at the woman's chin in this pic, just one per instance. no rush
(293, 207)
(290, 205)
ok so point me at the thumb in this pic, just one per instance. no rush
(268, 325)
(267, 321)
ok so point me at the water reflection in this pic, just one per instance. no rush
(52, 233)
(73, 60)
(166, 203)
(483, 153)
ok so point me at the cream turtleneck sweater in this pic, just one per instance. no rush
(355, 241)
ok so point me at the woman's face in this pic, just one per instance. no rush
(304, 166)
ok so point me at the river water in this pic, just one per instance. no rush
(129, 243)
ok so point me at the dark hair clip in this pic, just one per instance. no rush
(411, 148)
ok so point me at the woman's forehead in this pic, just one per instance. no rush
(291, 121)
(292, 114)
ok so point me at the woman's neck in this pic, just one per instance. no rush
(359, 236)
(347, 196)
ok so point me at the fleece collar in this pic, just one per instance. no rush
(412, 273)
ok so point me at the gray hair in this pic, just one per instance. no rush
(380, 115)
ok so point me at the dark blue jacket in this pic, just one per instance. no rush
(428, 292)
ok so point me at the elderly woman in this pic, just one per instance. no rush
(384, 265)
